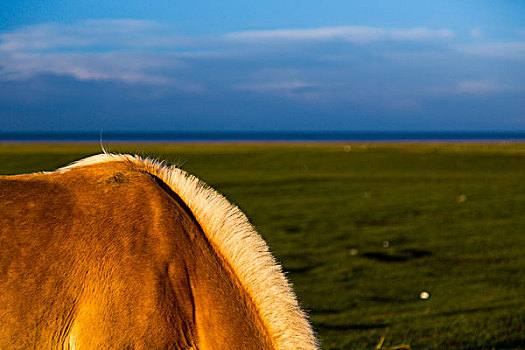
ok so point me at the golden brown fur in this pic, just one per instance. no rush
(121, 252)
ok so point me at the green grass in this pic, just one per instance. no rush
(362, 229)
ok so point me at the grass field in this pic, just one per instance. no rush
(362, 230)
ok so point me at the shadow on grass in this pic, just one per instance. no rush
(323, 311)
(510, 343)
(348, 327)
(477, 309)
(296, 263)
(402, 256)
(297, 270)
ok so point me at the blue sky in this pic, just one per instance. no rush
(272, 65)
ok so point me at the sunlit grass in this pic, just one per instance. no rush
(364, 230)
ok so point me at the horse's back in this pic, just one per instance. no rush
(106, 257)
(85, 260)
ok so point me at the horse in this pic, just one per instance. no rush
(118, 251)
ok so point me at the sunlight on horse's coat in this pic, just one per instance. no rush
(172, 263)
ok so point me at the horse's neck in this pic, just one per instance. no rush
(225, 316)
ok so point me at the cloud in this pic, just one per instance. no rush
(148, 52)
(136, 68)
(293, 89)
(141, 51)
(506, 50)
(83, 66)
(279, 86)
(476, 33)
(352, 34)
(92, 34)
(95, 50)
(479, 87)
(470, 87)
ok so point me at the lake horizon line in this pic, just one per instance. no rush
(257, 136)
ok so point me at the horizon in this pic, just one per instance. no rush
(262, 136)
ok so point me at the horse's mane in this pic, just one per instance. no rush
(231, 234)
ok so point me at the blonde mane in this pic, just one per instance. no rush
(229, 231)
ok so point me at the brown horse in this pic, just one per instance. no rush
(120, 252)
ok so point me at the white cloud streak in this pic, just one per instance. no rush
(474, 87)
(83, 66)
(480, 87)
(276, 86)
(507, 50)
(92, 34)
(352, 34)
(293, 89)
